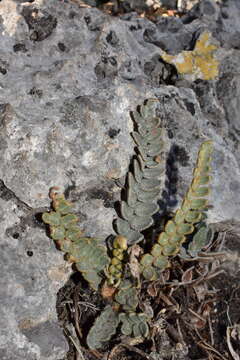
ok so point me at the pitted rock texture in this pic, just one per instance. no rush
(69, 77)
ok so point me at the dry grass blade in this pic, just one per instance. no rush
(190, 282)
(119, 348)
(75, 343)
(209, 348)
(77, 315)
(233, 331)
(138, 351)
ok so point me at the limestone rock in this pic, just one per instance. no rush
(69, 77)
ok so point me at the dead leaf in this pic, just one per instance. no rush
(188, 274)
(201, 291)
(146, 308)
(107, 291)
(152, 290)
(134, 252)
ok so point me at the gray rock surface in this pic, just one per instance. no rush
(69, 77)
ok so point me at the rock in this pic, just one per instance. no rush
(169, 34)
(199, 63)
(33, 272)
(69, 77)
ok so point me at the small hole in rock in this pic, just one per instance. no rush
(29, 253)
(38, 217)
(61, 46)
(15, 235)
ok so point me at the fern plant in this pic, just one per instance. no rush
(108, 271)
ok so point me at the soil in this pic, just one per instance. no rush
(194, 305)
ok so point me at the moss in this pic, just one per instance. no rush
(199, 63)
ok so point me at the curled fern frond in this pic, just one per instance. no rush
(115, 270)
(144, 181)
(183, 223)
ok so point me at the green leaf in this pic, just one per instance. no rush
(147, 260)
(185, 205)
(170, 228)
(137, 117)
(200, 192)
(126, 328)
(176, 239)
(199, 240)
(124, 229)
(156, 250)
(200, 180)
(52, 218)
(69, 220)
(163, 239)
(62, 205)
(103, 329)
(143, 329)
(154, 135)
(73, 234)
(138, 138)
(154, 149)
(127, 298)
(122, 226)
(148, 196)
(125, 284)
(184, 229)
(138, 174)
(193, 216)
(141, 222)
(91, 276)
(136, 331)
(127, 212)
(57, 233)
(161, 262)
(179, 216)
(170, 250)
(133, 318)
(154, 172)
(198, 204)
(150, 184)
(146, 209)
(149, 273)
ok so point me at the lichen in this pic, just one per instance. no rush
(199, 63)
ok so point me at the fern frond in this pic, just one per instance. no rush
(183, 223)
(144, 181)
(89, 254)
(103, 328)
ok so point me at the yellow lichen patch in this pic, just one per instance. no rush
(198, 63)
